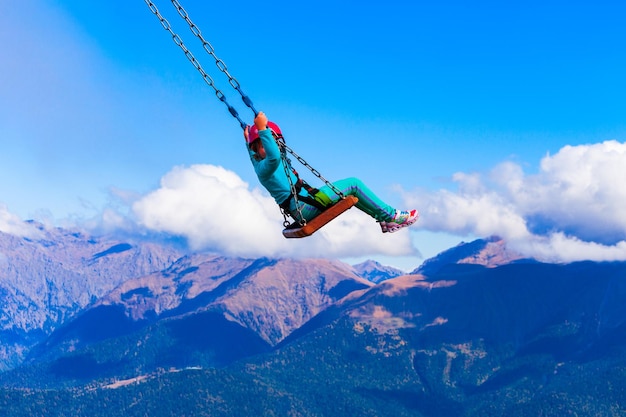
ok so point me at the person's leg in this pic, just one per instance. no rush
(369, 202)
(388, 217)
(308, 212)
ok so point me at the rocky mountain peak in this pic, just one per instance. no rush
(272, 297)
(376, 272)
(490, 252)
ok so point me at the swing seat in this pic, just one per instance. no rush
(294, 230)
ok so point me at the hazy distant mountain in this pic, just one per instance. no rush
(375, 272)
(48, 277)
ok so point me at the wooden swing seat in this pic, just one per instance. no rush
(294, 230)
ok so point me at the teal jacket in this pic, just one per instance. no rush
(271, 170)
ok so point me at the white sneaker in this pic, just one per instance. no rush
(400, 220)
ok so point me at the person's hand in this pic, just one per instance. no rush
(260, 121)
(246, 132)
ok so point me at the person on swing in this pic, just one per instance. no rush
(261, 140)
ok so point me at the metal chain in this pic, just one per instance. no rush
(211, 51)
(292, 187)
(287, 165)
(206, 77)
(235, 84)
(313, 170)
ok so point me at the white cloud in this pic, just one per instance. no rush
(580, 190)
(215, 210)
(482, 213)
(574, 208)
(12, 224)
(557, 247)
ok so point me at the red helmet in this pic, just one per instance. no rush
(253, 132)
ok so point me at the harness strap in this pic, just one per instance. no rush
(306, 198)
(314, 196)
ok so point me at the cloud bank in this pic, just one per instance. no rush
(214, 209)
(574, 208)
(13, 225)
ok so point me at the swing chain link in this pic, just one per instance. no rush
(247, 101)
(221, 65)
(292, 187)
(315, 172)
(294, 192)
(206, 77)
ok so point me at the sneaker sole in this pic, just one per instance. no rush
(403, 225)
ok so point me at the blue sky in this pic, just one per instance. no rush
(490, 118)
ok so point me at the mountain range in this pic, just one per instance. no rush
(477, 330)
(55, 284)
(49, 277)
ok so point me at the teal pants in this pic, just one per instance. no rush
(369, 202)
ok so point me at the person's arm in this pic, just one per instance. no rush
(272, 159)
(271, 162)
